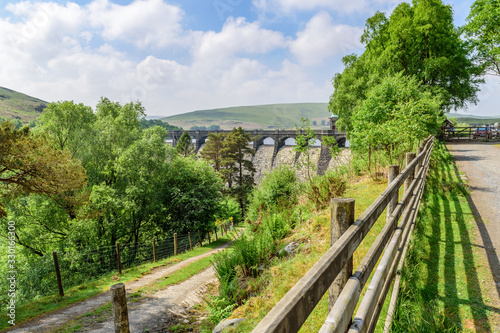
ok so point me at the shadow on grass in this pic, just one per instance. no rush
(442, 291)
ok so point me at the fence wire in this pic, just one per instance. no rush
(82, 265)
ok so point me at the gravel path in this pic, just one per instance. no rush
(481, 164)
(54, 320)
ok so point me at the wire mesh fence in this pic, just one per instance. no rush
(82, 265)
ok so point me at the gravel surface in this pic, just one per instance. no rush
(54, 320)
(481, 164)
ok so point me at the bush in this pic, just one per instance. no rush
(323, 188)
(276, 226)
(277, 186)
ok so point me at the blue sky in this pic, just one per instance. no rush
(178, 56)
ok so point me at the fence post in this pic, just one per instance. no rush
(393, 173)
(190, 244)
(58, 274)
(342, 217)
(175, 244)
(409, 157)
(119, 258)
(154, 249)
(120, 311)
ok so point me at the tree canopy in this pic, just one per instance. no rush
(483, 30)
(417, 40)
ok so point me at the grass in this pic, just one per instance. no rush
(314, 237)
(444, 287)
(257, 116)
(14, 105)
(104, 312)
(445, 278)
(82, 292)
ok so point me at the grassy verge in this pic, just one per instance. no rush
(446, 273)
(79, 293)
(313, 235)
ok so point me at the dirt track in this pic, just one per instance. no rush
(142, 314)
(481, 164)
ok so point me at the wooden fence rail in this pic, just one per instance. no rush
(294, 308)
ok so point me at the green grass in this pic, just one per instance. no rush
(443, 283)
(15, 105)
(314, 237)
(88, 290)
(102, 313)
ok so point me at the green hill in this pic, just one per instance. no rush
(15, 105)
(280, 116)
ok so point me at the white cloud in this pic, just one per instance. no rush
(142, 23)
(322, 39)
(238, 36)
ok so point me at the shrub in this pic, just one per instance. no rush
(277, 186)
(323, 188)
(276, 226)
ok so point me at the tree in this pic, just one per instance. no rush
(417, 40)
(395, 116)
(483, 30)
(304, 140)
(30, 164)
(184, 146)
(193, 193)
(69, 125)
(237, 168)
(212, 152)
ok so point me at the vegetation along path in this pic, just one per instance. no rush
(55, 320)
(480, 162)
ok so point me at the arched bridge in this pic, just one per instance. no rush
(278, 136)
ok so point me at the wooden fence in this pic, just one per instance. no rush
(294, 308)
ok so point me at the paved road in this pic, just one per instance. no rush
(481, 163)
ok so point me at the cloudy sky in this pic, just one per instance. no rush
(178, 56)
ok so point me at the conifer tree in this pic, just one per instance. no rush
(212, 152)
(184, 147)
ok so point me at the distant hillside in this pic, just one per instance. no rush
(473, 119)
(281, 116)
(14, 105)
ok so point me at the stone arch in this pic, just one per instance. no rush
(341, 142)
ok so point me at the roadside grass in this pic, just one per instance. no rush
(313, 235)
(104, 312)
(85, 291)
(443, 280)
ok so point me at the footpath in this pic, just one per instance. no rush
(143, 315)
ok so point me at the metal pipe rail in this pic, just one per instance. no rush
(294, 308)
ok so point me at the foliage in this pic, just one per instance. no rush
(204, 128)
(394, 117)
(304, 140)
(229, 210)
(184, 146)
(29, 164)
(212, 151)
(238, 169)
(193, 194)
(278, 185)
(147, 123)
(68, 124)
(483, 30)
(322, 189)
(416, 40)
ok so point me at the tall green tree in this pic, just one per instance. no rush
(417, 40)
(483, 30)
(69, 125)
(238, 169)
(212, 152)
(185, 145)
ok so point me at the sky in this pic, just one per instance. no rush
(177, 56)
